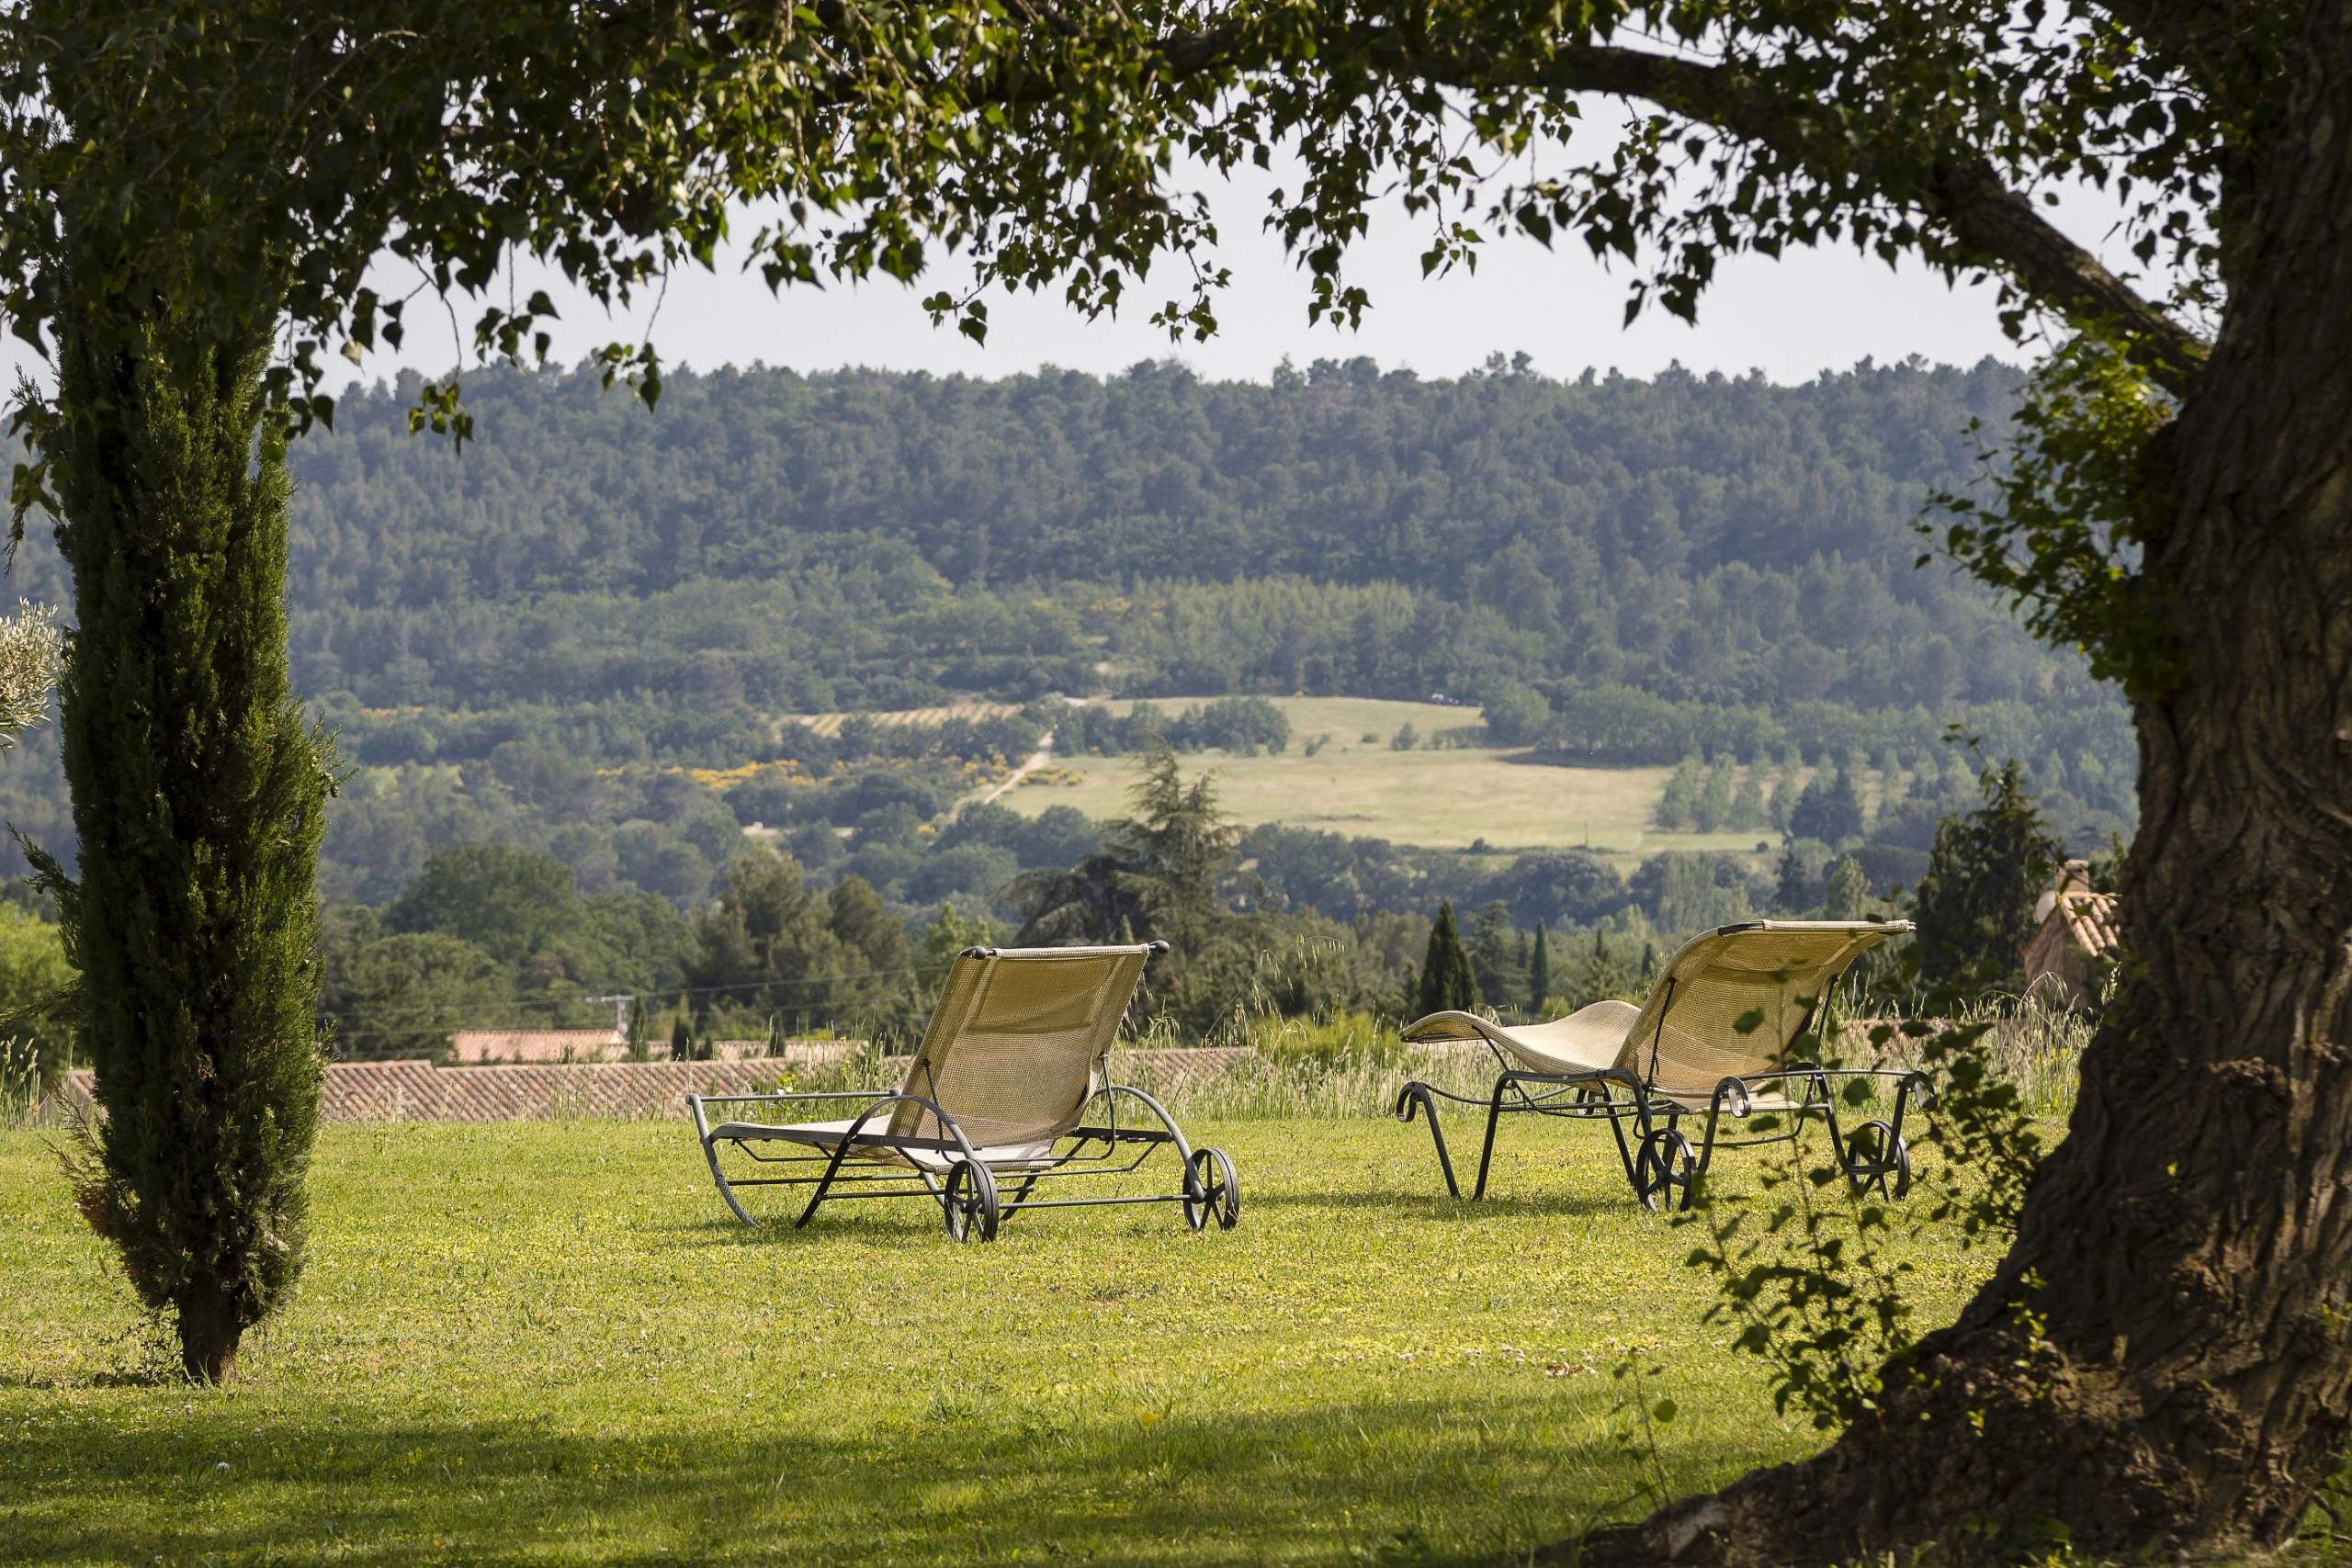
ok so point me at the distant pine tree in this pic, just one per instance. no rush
(1539, 976)
(1446, 979)
(1976, 900)
(1496, 965)
(1846, 891)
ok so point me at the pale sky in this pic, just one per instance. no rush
(1791, 319)
(1794, 318)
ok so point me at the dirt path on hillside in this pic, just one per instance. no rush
(1037, 758)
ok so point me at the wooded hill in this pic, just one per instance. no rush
(1621, 569)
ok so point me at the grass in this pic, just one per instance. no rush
(544, 1342)
(1444, 799)
(1343, 722)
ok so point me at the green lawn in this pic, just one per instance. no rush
(547, 1342)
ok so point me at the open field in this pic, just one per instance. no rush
(1343, 722)
(544, 1342)
(1446, 799)
(903, 718)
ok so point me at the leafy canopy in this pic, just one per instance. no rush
(301, 156)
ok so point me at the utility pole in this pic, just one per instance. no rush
(621, 1005)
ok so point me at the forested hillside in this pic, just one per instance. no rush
(518, 639)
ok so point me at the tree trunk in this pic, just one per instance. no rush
(199, 798)
(209, 1332)
(2180, 1378)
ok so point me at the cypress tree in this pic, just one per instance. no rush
(682, 1040)
(1446, 978)
(199, 791)
(1539, 976)
(1985, 874)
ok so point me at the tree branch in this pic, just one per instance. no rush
(1991, 225)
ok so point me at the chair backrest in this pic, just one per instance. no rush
(1012, 1045)
(1730, 1002)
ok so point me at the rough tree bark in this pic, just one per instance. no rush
(2181, 1379)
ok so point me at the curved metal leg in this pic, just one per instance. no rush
(841, 1152)
(710, 1156)
(1494, 1118)
(824, 1184)
(1191, 1189)
(1418, 1094)
(1707, 1158)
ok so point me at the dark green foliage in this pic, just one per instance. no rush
(1155, 875)
(1447, 981)
(1495, 961)
(1608, 970)
(493, 936)
(1844, 890)
(402, 995)
(1975, 902)
(1685, 891)
(199, 798)
(1829, 810)
(531, 619)
(504, 900)
(773, 948)
(1797, 880)
(682, 1040)
(1539, 975)
(1245, 725)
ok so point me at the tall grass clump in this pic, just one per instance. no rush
(1350, 1064)
(2033, 1041)
(22, 1083)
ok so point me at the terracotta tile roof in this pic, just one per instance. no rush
(419, 1091)
(2092, 922)
(472, 1046)
(534, 1046)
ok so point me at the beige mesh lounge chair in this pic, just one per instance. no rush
(1713, 1039)
(1015, 1056)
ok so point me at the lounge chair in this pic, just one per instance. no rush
(997, 1095)
(1715, 1038)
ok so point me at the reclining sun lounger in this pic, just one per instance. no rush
(1713, 1039)
(1015, 1056)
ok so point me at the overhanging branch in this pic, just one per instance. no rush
(1990, 224)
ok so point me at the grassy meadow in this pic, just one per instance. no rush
(547, 1343)
(1443, 798)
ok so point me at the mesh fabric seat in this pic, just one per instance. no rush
(1010, 1056)
(1712, 1037)
(1730, 1002)
(1589, 1040)
(1011, 1066)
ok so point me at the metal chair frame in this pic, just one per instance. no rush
(1659, 1159)
(1208, 1189)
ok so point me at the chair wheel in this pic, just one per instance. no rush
(969, 1200)
(1877, 1160)
(1211, 1188)
(1665, 1166)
